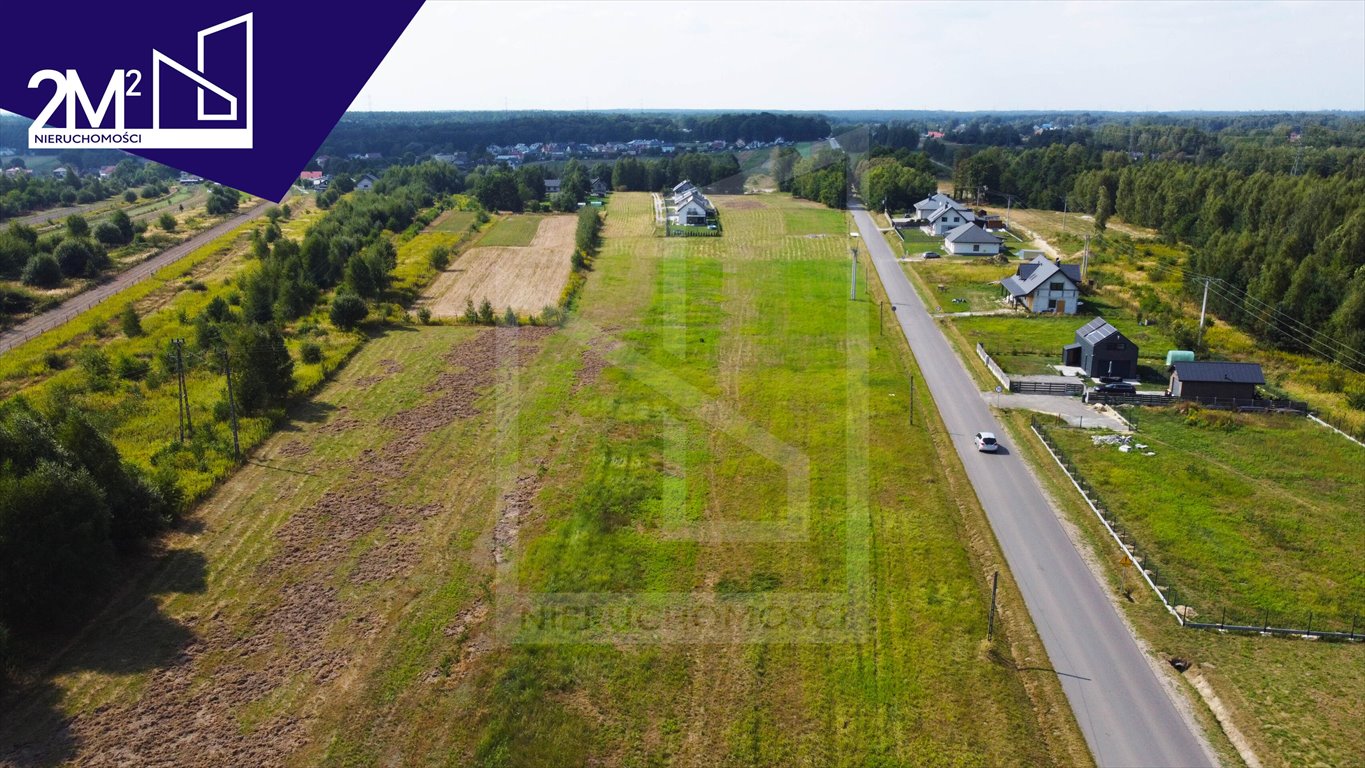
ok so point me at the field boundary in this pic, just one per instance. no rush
(993, 366)
(1150, 574)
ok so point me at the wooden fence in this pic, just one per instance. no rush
(1025, 387)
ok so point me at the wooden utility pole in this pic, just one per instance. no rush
(912, 399)
(182, 395)
(990, 623)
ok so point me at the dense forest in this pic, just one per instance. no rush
(399, 134)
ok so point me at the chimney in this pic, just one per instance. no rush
(1057, 261)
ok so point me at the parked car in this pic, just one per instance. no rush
(931, 254)
(985, 441)
(1117, 388)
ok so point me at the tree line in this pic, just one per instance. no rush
(631, 174)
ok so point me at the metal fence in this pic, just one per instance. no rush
(1230, 619)
(1025, 387)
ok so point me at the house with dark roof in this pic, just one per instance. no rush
(682, 188)
(552, 186)
(932, 203)
(1101, 350)
(946, 219)
(971, 240)
(1198, 380)
(365, 183)
(1042, 285)
(598, 187)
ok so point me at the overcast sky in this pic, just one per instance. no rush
(884, 55)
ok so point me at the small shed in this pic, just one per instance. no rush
(1101, 350)
(1197, 380)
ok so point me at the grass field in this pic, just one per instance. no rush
(526, 278)
(603, 545)
(975, 284)
(1031, 344)
(453, 221)
(516, 231)
(1232, 523)
(1297, 703)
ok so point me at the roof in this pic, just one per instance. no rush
(683, 186)
(1095, 331)
(1028, 277)
(971, 233)
(934, 202)
(1236, 373)
(310, 175)
(966, 214)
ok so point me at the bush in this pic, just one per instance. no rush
(43, 271)
(348, 310)
(109, 234)
(1356, 398)
(130, 196)
(131, 368)
(74, 256)
(95, 364)
(55, 361)
(424, 315)
(551, 316)
(310, 352)
(167, 222)
(439, 258)
(131, 323)
(509, 318)
(77, 225)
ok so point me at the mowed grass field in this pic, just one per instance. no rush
(516, 231)
(1256, 514)
(1032, 344)
(1297, 703)
(692, 527)
(974, 284)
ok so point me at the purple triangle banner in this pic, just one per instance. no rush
(241, 93)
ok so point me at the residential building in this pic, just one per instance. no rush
(926, 207)
(365, 183)
(1198, 380)
(552, 186)
(1101, 350)
(946, 219)
(1045, 286)
(971, 240)
(599, 187)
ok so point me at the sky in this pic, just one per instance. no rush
(792, 55)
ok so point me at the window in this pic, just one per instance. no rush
(1057, 286)
(976, 248)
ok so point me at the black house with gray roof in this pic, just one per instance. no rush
(1101, 350)
(1197, 380)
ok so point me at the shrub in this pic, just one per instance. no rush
(95, 363)
(43, 271)
(439, 258)
(74, 256)
(131, 323)
(424, 315)
(167, 222)
(55, 361)
(486, 316)
(509, 318)
(348, 310)
(109, 234)
(310, 352)
(130, 196)
(1356, 398)
(131, 368)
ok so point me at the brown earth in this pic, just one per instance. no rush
(527, 279)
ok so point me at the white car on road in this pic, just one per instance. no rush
(985, 441)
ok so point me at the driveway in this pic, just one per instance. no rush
(1070, 409)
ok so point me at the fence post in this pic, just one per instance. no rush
(1222, 622)
(1265, 620)
(1310, 623)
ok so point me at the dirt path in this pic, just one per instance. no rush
(76, 305)
(527, 279)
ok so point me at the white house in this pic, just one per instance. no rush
(694, 211)
(365, 183)
(932, 203)
(946, 219)
(552, 186)
(1045, 286)
(971, 240)
(682, 188)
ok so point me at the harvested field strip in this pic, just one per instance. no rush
(285, 584)
(527, 279)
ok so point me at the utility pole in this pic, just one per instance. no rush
(1199, 335)
(990, 623)
(912, 399)
(1009, 203)
(232, 405)
(1085, 260)
(853, 274)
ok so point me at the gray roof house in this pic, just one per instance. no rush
(1045, 286)
(365, 182)
(932, 203)
(1101, 350)
(552, 186)
(683, 186)
(971, 240)
(1199, 380)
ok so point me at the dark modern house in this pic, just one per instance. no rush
(1101, 350)
(1196, 380)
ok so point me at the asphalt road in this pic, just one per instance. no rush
(74, 306)
(1125, 712)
